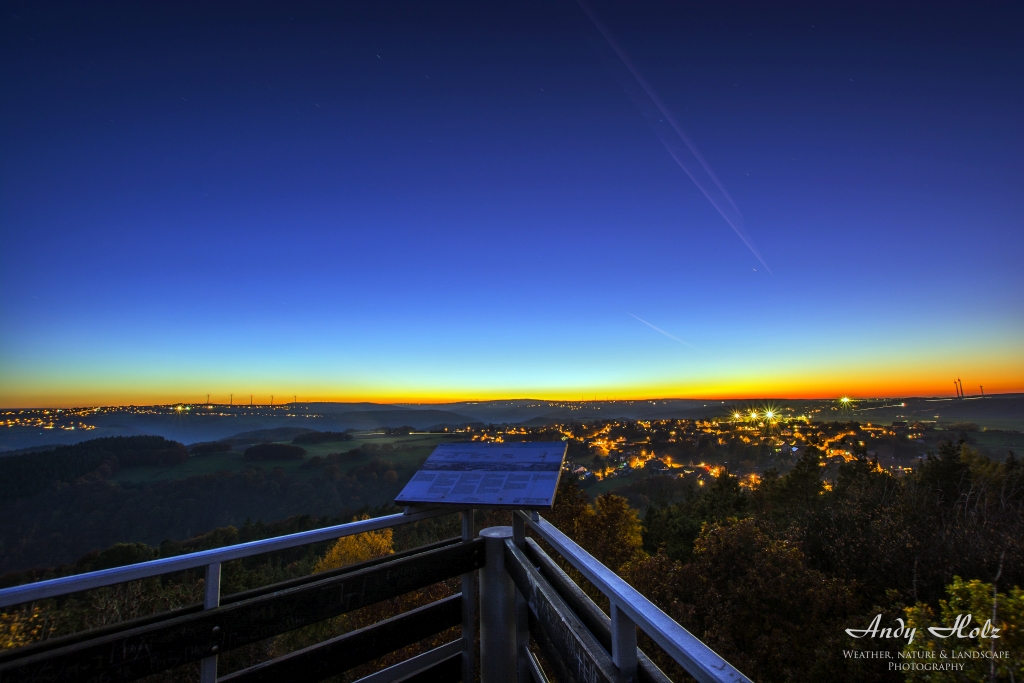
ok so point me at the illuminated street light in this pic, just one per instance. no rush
(770, 414)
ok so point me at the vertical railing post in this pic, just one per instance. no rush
(522, 609)
(623, 642)
(497, 611)
(211, 599)
(469, 595)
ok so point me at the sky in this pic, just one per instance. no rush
(463, 200)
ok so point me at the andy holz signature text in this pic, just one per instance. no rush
(958, 629)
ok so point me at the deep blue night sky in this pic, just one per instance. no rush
(460, 200)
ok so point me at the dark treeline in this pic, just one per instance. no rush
(29, 473)
(210, 447)
(321, 437)
(771, 577)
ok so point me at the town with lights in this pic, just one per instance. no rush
(607, 454)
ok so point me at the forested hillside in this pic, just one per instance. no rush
(25, 474)
(61, 504)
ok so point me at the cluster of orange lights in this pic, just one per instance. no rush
(768, 415)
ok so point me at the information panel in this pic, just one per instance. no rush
(516, 475)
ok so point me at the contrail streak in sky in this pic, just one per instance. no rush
(658, 329)
(671, 134)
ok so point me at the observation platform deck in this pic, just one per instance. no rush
(515, 602)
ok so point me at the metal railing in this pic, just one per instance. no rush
(211, 561)
(631, 610)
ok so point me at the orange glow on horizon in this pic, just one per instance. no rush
(126, 399)
(857, 386)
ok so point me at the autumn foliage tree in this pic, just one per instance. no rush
(356, 548)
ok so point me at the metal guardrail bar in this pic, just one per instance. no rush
(414, 664)
(699, 660)
(108, 577)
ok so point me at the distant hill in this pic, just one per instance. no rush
(328, 408)
(420, 419)
(684, 414)
(541, 420)
(33, 449)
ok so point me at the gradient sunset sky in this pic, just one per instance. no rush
(438, 201)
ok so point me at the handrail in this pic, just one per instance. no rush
(699, 660)
(596, 621)
(106, 577)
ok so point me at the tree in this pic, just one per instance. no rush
(982, 604)
(946, 475)
(803, 483)
(753, 600)
(610, 529)
(677, 526)
(612, 532)
(570, 509)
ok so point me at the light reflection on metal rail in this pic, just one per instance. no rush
(687, 650)
(414, 664)
(204, 558)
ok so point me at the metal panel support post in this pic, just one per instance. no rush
(469, 595)
(523, 663)
(623, 642)
(497, 611)
(211, 600)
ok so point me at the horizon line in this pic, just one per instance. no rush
(440, 402)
